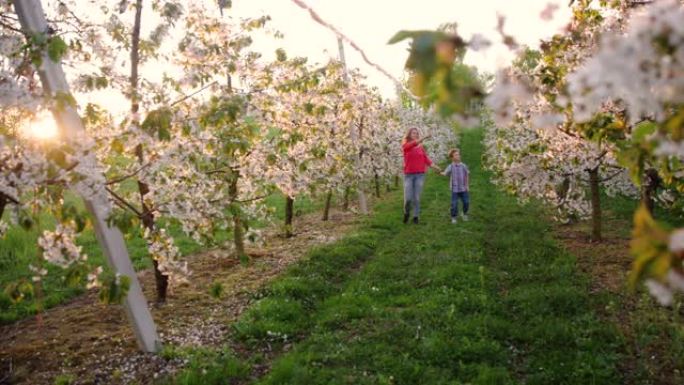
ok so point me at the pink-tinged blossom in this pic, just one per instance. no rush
(676, 244)
(662, 293)
(509, 93)
(675, 280)
(632, 68)
(548, 11)
(59, 246)
(478, 42)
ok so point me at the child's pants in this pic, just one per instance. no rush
(465, 199)
(413, 186)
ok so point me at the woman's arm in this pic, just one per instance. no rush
(412, 143)
(429, 163)
(409, 145)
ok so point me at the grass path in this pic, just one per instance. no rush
(489, 301)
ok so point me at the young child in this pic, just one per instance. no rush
(459, 184)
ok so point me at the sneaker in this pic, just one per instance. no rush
(465, 217)
(406, 217)
(415, 220)
(453, 220)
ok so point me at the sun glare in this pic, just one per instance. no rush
(41, 127)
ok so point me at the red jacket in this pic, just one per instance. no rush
(415, 158)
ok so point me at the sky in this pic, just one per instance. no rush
(371, 23)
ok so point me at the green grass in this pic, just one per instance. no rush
(303, 205)
(284, 312)
(207, 367)
(623, 208)
(490, 301)
(18, 249)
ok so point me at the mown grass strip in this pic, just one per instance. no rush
(284, 309)
(490, 301)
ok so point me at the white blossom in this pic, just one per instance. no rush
(661, 292)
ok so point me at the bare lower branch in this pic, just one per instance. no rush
(122, 201)
(186, 97)
(124, 177)
(611, 176)
(252, 199)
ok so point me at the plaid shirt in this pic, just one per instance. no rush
(459, 176)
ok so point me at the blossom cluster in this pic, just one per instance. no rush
(604, 96)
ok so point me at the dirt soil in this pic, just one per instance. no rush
(94, 344)
(607, 264)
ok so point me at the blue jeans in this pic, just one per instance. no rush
(465, 199)
(413, 186)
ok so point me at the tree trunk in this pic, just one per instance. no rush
(649, 188)
(377, 185)
(3, 203)
(161, 279)
(595, 204)
(396, 181)
(388, 187)
(239, 237)
(289, 213)
(326, 209)
(363, 201)
(345, 204)
(238, 229)
(135, 57)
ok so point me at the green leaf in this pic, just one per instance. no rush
(75, 275)
(71, 212)
(64, 99)
(113, 292)
(58, 157)
(643, 130)
(273, 132)
(19, 290)
(159, 122)
(123, 219)
(56, 48)
(164, 134)
(399, 36)
(649, 246)
(117, 146)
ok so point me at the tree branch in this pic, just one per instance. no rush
(611, 176)
(53, 181)
(218, 171)
(9, 27)
(122, 201)
(252, 199)
(9, 198)
(124, 177)
(602, 155)
(186, 97)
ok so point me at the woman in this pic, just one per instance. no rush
(416, 162)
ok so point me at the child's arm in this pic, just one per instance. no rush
(446, 171)
(467, 179)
